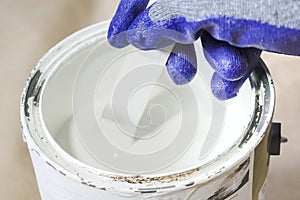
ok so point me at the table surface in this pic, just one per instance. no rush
(29, 28)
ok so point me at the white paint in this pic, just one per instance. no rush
(53, 138)
(232, 116)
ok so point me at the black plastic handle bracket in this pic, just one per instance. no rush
(276, 139)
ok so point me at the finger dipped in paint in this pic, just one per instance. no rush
(182, 63)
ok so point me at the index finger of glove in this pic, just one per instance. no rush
(125, 14)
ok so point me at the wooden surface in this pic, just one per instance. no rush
(28, 28)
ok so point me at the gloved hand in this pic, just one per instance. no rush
(233, 33)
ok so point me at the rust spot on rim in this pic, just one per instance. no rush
(162, 179)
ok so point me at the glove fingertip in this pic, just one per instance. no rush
(143, 33)
(223, 89)
(118, 38)
(227, 60)
(125, 15)
(182, 64)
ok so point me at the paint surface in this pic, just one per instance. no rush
(117, 110)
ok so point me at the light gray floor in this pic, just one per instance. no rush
(29, 28)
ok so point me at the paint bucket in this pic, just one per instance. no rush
(107, 123)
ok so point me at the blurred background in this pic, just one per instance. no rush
(28, 28)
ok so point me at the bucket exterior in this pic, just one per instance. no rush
(240, 178)
(245, 181)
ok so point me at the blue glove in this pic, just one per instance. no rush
(232, 32)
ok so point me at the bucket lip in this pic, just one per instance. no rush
(120, 182)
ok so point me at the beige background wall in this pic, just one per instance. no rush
(28, 28)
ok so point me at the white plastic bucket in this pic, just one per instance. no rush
(84, 99)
